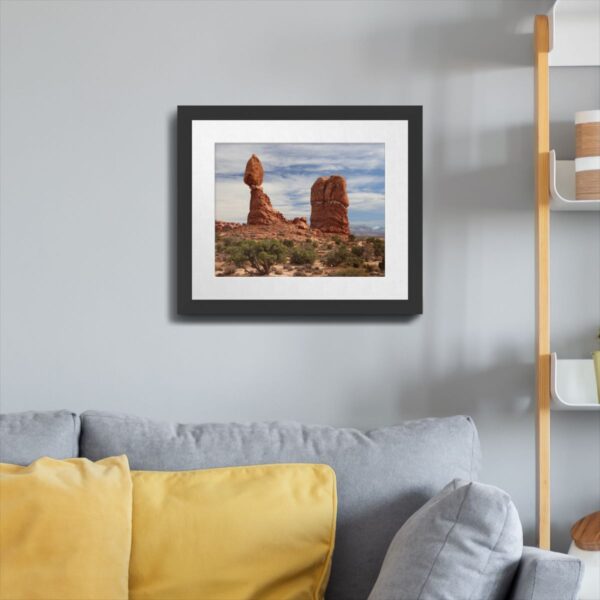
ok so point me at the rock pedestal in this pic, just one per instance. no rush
(329, 205)
(261, 209)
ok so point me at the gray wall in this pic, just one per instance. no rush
(89, 91)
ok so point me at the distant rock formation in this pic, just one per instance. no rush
(261, 209)
(329, 205)
(221, 226)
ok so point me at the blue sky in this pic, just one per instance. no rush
(290, 171)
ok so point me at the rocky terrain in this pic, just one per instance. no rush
(268, 244)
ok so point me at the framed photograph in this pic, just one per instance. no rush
(299, 210)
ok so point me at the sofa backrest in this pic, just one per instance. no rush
(27, 436)
(383, 476)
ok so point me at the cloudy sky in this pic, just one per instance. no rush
(290, 171)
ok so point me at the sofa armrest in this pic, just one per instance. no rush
(544, 575)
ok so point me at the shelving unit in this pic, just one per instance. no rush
(573, 384)
(562, 187)
(568, 36)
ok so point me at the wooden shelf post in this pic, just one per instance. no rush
(542, 202)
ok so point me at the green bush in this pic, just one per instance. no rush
(336, 257)
(358, 250)
(260, 254)
(378, 246)
(288, 243)
(303, 255)
(341, 256)
(228, 241)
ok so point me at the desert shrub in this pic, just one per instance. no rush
(378, 246)
(341, 256)
(337, 239)
(351, 237)
(303, 255)
(336, 257)
(354, 261)
(330, 245)
(288, 243)
(229, 241)
(368, 252)
(382, 265)
(260, 254)
(358, 250)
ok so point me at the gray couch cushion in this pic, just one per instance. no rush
(383, 476)
(464, 544)
(545, 575)
(27, 436)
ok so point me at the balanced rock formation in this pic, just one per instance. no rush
(253, 176)
(329, 205)
(261, 209)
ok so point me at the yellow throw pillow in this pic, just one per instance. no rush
(65, 529)
(240, 533)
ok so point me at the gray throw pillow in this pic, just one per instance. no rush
(464, 544)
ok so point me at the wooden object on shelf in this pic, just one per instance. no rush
(587, 154)
(587, 183)
(586, 532)
(587, 133)
(542, 202)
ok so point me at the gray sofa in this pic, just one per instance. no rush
(383, 476)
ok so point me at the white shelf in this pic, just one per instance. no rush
(573, 384)
(574, 33)
(562, 187)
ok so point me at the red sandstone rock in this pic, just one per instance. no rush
(282, 230)
(329, 205)
(221, 226)
(261, 209)
(253, 176)
(300, 222)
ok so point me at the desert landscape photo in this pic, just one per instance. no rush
(300, 210)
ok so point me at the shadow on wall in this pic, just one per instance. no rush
(492, 35)
(468, 180)
(171, 217)
(469, 392)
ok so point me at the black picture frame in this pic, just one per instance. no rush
(412, 305)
